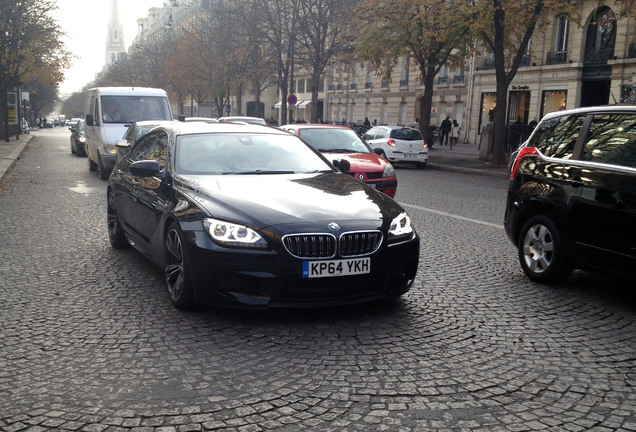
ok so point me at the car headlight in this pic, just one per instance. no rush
(82, 139)
(400, 228)
(389, 171)
(233, 235)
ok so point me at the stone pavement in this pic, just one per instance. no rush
(462, 158)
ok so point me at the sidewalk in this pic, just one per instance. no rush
(11, 151)
(463, 158)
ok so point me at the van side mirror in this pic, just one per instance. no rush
(89, 120)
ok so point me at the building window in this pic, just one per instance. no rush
(301, 85)
(553, 100)
(404, 78)
(488, 103)
(442, 78)
(559, 55)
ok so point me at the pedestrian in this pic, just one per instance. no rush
(366, 123)
(445, 128)
(455, 133)
(375, 122)
(38, 122)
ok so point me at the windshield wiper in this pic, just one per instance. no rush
(259, 172)
(336, 150)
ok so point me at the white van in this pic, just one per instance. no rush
(109, 111)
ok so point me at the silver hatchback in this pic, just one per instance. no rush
(398, 144)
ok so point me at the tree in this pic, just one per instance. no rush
(325, 31)
(505, 28)
(30, 48)
(432, 32)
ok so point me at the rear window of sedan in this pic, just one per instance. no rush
(243, 153)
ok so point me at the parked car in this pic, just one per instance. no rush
(133, 134)
(398, 144)
(254, 217)
(47, 123)
(572, 195)
(339, 142)
(78, 141)
(243, 119)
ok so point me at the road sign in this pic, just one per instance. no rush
(292, 99)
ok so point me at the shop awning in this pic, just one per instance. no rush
(303, 104)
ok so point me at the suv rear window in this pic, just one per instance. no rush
(556, 137)
(612, 140)
(406, 134)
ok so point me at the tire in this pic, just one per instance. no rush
(73, 151)
(541, 248)
(116, 234)
(103, 173)
(92, 166)
(177, 269)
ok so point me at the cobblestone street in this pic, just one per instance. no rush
(90, 342)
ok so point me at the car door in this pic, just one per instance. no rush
(604, 214)
(147, 200)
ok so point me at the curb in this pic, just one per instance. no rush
(464, 170)
(7, 162)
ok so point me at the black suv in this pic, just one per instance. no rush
(572, 194)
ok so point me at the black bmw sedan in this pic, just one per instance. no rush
(245, 215)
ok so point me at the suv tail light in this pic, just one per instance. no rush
(424, 146)
(525, 151)
(391, 143)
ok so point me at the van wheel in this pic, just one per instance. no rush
(103, 173)
(541, 248)
(92, 166)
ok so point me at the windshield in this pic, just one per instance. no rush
(245, 153)
(129, 109)
(334, 140)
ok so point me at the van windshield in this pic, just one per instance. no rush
(128, 109)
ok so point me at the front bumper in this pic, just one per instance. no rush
(267, 279)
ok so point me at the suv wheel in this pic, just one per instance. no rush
(92, 166)
(542, 251)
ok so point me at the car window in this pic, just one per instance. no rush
(556, 137)
(405, 134)
(611, 139)
(333, 140)
(370, 134)
(151, 147)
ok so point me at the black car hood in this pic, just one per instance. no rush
(267, 200)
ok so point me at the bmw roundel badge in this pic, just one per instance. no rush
(333, 226)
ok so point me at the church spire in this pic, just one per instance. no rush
(115, 46)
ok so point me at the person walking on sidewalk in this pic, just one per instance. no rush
(454, 135)
(445, 128)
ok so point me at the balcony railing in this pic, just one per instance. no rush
(385, 85)
(442, 80)
(488, 64)
(339, 87)
(368, 85)
(404, 83)
(459, 79)
(556, 57)
(331, 87)
(353, 86)
(601, 56)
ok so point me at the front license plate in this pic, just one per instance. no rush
(317, 269)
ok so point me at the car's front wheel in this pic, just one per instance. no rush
(177, 269)
(541, 250)
(116, 234)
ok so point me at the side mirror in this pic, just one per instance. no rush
(145, 168)
(89, 120)
(342, 165)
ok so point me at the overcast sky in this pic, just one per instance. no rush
(86, 22)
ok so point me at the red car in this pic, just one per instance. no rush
(339, 142)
